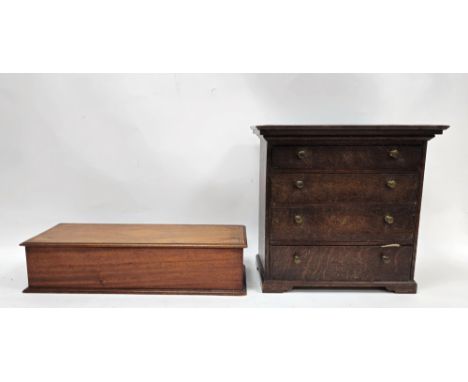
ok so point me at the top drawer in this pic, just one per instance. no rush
(347, 158)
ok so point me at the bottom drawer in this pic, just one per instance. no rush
(341, 263)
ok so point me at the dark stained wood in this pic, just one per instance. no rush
(341, 263)
(427, 131)
(342, 199)
(77, 258)
(264, 191)
(339, 188)
(421, 182)
(280, 286)
(344, 222)
(347, 158)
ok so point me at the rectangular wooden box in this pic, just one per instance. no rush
(137, 258)
(339, 205)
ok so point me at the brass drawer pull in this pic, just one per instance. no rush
(299, 184)
(394, 153)
(298, 219)
(297, 259)
(386, 259)
(391, 183)
(301, 154)
(389, 219)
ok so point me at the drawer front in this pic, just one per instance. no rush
(348, 223)
(347, 158)
(301, 189)
(341, 263)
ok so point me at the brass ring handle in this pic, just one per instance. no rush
(391, 183)
(299, 184)
(385, 259)
(394, 153)
(298, 219)
(388, 219)
(301, 154)
(297, 259)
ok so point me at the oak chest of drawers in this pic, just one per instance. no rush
(339, 205)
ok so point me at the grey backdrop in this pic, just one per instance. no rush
(179, 149)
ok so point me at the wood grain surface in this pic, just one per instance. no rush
(339, 188)
(123, 258)
(343, 223)
(341, 263)
(143, 235)
(346, 158)
(270, 285)
(135, 268)
(325, 196)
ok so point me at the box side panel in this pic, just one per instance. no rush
(133, 268)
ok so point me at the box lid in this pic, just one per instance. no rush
(142, 235)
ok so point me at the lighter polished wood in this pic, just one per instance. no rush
(142, 258)
(142, 235)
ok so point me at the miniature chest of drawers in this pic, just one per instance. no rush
(339, 205)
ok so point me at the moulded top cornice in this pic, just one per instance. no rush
(349, 130)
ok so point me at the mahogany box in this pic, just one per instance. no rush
(137, 258)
